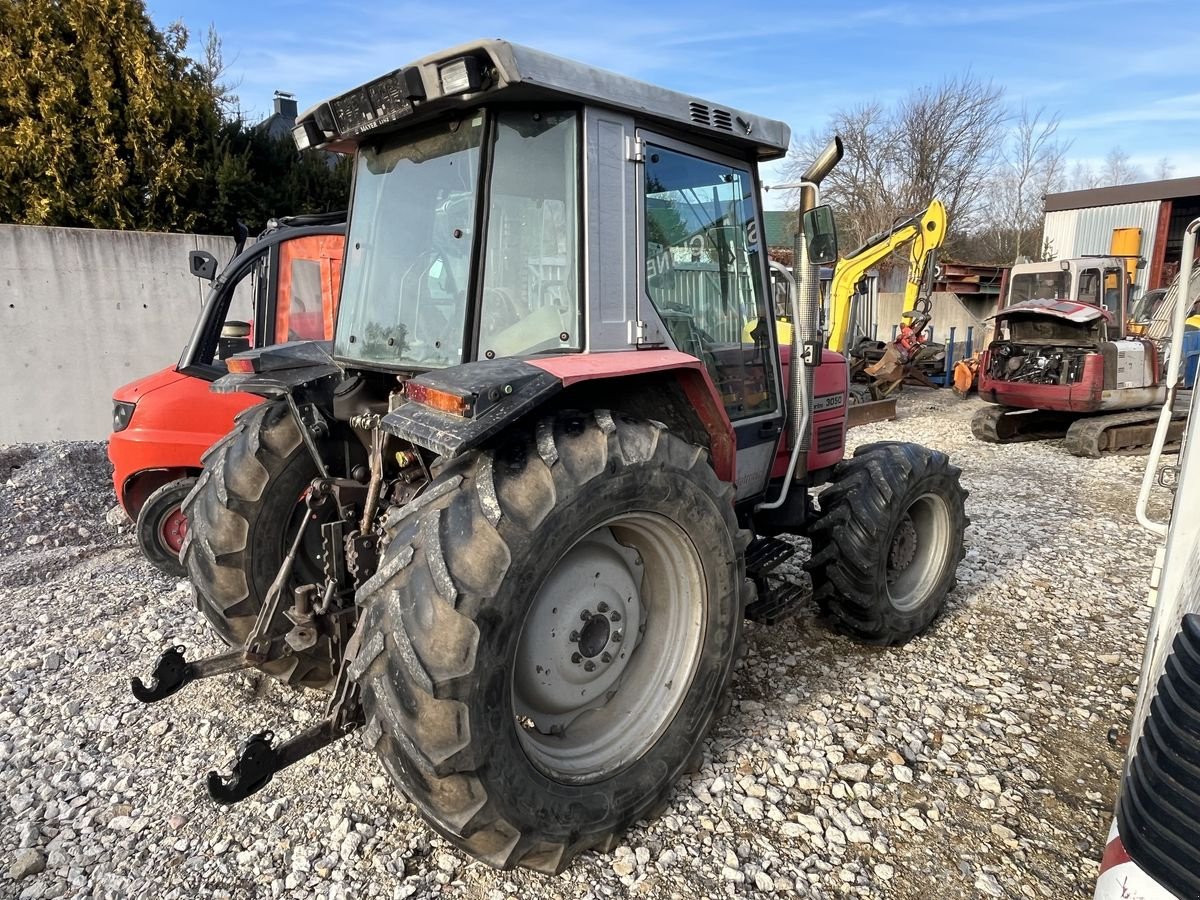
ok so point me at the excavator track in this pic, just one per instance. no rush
(1009, 425)
(1128, 433)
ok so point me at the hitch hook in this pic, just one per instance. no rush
(169, 675)
(258, 760)
(172, 672)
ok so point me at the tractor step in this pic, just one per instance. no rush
(764, 554)
(776, 604)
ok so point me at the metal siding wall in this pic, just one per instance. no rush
(1079, 232)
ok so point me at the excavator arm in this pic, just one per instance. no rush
(924, 232)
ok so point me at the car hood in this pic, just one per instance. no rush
(135, 390)
(1059, 309)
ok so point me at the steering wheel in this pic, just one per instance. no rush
(500, 311)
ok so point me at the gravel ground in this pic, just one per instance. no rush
(972, 762)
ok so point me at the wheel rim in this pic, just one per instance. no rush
(173, 530)
(917, 552)
(609, 647)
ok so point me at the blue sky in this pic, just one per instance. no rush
(1120, 72)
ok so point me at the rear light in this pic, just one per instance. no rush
(439, 400)
(238, 366)
(122, 415)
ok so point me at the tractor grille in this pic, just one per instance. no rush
(829, 438)
(702, 114)
(1159, 810)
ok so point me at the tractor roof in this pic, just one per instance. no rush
(473, 74)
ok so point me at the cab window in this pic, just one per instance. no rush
(704, 273)
(1089, 286)
(306, 295)
(237, 328)
(1113, 278)
(530, 300)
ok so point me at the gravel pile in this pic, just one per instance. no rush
(972, 762)
(53, 499)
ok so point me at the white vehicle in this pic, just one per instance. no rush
(1153, 848)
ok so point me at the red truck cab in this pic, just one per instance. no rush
(283, 287)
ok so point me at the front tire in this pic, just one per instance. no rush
(550, 634)
(162, 526)
(888, 540)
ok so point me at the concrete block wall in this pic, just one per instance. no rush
(83, 312)
(949, 311)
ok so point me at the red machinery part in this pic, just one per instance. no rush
(1084, 396)
(175, 419)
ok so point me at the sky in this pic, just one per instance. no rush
(1120, 73)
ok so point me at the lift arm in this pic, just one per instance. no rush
(924, 231)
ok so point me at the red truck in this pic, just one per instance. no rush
(283, 287)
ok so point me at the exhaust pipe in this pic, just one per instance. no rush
(807, 328)
(806, 322)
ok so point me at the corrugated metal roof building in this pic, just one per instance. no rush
(1079, 223)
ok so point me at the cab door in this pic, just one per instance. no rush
(306, 276)
(706, 278)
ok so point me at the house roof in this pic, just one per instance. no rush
(1142, 192)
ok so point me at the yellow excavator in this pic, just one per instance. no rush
(925, 233)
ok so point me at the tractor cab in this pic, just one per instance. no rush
(513, 205)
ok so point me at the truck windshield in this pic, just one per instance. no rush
(1040, 286)
(408, 252)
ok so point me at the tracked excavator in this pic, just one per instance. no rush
(1065, 363)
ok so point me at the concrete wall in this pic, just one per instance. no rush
(949, 311)
(84, 312)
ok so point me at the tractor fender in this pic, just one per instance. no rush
(688, 372)
(497, 393)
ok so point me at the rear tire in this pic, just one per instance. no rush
(242, 513)
(514, 562)
(888, 540)
(162, 526)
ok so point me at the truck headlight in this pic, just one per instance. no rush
(122, 414)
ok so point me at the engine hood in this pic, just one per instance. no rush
(135, 390)
(1069, 310)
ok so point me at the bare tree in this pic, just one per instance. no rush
(1031, 164)
(938, 142)
(1164, 169)
(1083, 177)
(1118, 169)
(213, 69)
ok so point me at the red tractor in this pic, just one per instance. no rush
(1067, 361)
(163, 423)
(513, 519)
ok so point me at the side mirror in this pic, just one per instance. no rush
(202, 264)
(820, 234)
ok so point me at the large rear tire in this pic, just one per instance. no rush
(888, 540)
(550, 635)
(241, 515)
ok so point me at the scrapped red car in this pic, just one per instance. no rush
(284, 287)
